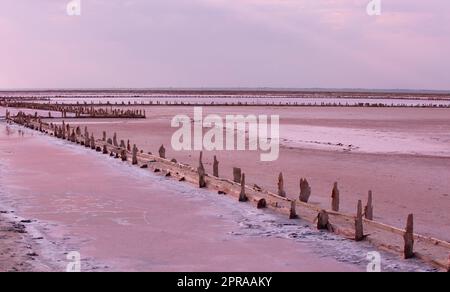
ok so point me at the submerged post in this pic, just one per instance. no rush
(368, 210)
(305, 190)
(242, 195)
(359, 227)
(281, 191)
(335, 198)
(216, 167)
(409, 238)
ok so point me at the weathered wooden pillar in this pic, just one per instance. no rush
(162, 152)
(123, 155)
(359, 227)
(305, 190)
(134, 158)
(293, 211)
(281, 191)
(105, 149)
(110, 142)
(92, 142)
(122, 144)
(201, 172)
(335, 198)
(409, 238)
(368, 210)
(323, 221)
(216, 167)
(73, 137)
(115, 140)
(87, 142)
(243, 195)
(262, 204)
(237, 175)
(104, 136)
(128, 145)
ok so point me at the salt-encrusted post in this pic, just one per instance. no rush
(237, 175)
(262, 204)
(135, 151)
(242, 195)
(128, 145)
(322, 221)
(92, 142)
(105, 149)
(281, 191)
(293, 211)
(115, 140)
(162, 152)
(335, 198)
(359, 227)
(305, 190)
(368, 210)
(201, 172)
(216, 167)
(104, 136)
(123, 155)
(122, 144)
(87, 142)
(409, 238)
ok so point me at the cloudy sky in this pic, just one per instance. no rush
(225, 43)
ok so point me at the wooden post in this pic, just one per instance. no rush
(115, 140)
(105, 149)
(123, 155)
(216, 167)
(305, 190)
(128, 145)
(201, 172)
(322, 220)
(281, 191)
(293, 211)
(335, 198)
(92, 142)
(368, 210)
(135, 151)
(359, 226)
(237, 175)
(409, 238)
(122, 144)
(242, 195)
(262, 204)
(162, 152)
(104, 136)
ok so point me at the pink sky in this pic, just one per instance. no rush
(225, 43)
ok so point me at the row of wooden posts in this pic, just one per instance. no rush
(323, 223)
(80, 111)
